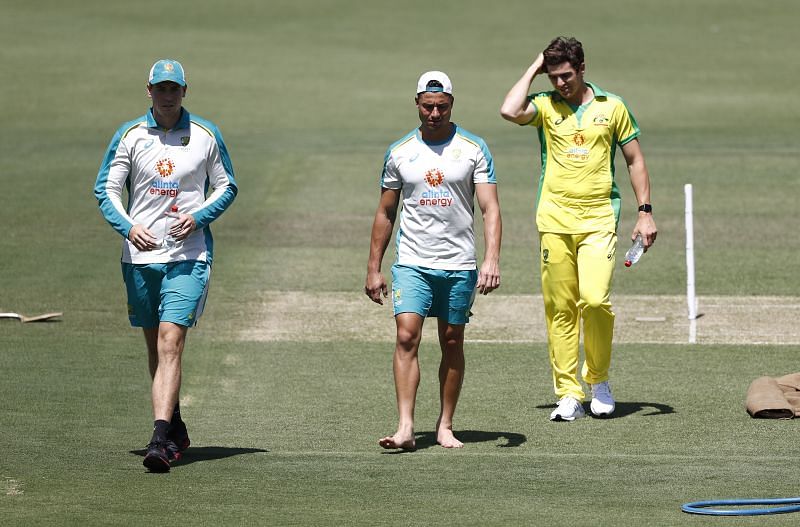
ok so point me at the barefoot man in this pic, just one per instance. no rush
(438, 169)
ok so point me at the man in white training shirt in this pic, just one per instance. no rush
(437, 170)
(168, 159)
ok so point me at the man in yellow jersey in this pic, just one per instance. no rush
(578, 206)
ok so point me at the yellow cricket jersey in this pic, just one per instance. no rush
(577, 192)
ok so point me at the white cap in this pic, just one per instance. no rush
(442, 78)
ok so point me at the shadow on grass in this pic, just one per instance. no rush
(428, 439)
(624, 409)
(628, 408)
(206, 453)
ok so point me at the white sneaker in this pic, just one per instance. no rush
(602, 400)
(568, 409)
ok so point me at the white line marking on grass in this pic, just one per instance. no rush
(519, 319)
(500, 341)
(518, 451)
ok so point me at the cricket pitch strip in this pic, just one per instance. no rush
(319, 317)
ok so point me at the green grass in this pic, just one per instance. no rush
(285, 433)
(308, 95)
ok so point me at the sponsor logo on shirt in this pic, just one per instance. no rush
(578, 152)
(545, 255)
(165, 167)
(434, 177)
(600, 120)
(164, 188)
(435, 198)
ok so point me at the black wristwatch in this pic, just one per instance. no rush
(646, 208)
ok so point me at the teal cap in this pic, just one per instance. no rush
(167, 70)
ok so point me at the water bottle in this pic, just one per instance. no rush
(635, 252)
(169, 241)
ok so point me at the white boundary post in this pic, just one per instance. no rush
(691, 298)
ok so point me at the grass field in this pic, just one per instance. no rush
(284, 423)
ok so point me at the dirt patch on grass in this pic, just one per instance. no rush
(13, 487)
(317, 317)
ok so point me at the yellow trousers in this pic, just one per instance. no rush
(576, 285)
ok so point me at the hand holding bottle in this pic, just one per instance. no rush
(169, 241)
(635, 252)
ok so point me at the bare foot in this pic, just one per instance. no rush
(398, 441)
(446, 438)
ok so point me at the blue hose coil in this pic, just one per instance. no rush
(702, 507)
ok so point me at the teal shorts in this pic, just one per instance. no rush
(447, 295)
(171, 292)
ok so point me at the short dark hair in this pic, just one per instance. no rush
(564, 49)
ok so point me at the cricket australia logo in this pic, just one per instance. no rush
(165, 167)
(579, 139)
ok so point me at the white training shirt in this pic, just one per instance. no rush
(438, 188)
(162, 168)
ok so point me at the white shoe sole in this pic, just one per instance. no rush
(602, 413)
(559, 417)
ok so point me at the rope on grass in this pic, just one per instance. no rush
(702, 507)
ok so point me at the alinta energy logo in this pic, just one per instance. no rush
(165, 167)
(434, 177)
(435, 198)
(578, 152)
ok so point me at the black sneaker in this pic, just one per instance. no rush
(173, 452)
(177, 440)
(156, 458)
